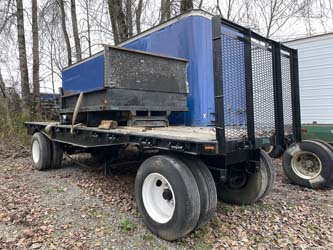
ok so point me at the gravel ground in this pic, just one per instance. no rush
(78, 207)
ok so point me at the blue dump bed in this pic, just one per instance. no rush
(190, 36)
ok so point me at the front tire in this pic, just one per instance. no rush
(167, 196)
(308, 164)
(40, 151)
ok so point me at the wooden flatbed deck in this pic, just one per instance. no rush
(195, 140)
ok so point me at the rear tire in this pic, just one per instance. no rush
(256, 186)
(40, 151)
(308, 164)
(274, 151)
(207, 188)
(271, 173)
(329, 146)
(168, 197)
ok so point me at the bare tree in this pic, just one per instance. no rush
(75, 31)
(129, 17)
(138, 13)
(165, 11)
(186, 5)
(121, 20)
(113, 19)
(25, 90)
(87, 12)
(2, 86)
(276, 13)
(35, 57)
(64, 30)
(118, 20)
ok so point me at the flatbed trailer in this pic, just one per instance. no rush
(177, 189)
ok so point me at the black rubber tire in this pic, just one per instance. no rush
(44, 160)
(321, 151)
(329, 146)
(275, 152)
(56, 155)
(207, 188)
(271, 173)
(187, 196)
(257, 186)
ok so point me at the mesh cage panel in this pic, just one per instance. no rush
(286, 93)
(234, 89)
(263, 91)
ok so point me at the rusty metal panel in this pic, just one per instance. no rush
(131, 69)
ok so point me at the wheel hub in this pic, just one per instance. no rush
(306, 165)
(167, 194)
(158, 198)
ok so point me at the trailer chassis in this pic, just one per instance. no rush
(192, 168)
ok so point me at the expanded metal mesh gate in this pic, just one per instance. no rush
(256, 87)
(233, 76)
(286, 93)
(263, 89)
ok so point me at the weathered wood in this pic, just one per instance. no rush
(108, 124)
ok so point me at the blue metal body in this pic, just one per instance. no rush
(191, 38)
(79, 77)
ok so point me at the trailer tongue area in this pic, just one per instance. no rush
(123, 97)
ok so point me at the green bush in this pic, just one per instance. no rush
(13, 134)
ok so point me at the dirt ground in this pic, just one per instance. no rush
(79, 207)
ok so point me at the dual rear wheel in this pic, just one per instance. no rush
(177, 194)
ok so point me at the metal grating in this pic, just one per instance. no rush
(286, 93)
(234, 89)
(263, 90)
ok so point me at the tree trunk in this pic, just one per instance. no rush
(186, 5)
(165, 10)
(76, 32)
(121, 20)
(64, 30)
(5, 101)
(113, 20)
(2, 87)
(35, 59)
(25, 90)
(88, 25)
(129, 17)
(138, 13)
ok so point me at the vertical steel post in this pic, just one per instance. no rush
(278, 98)
(218, 83)
(249, 88)
(295, 95)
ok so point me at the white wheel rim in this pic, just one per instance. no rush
(35, 151)
(306, 165)
(158, 198)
